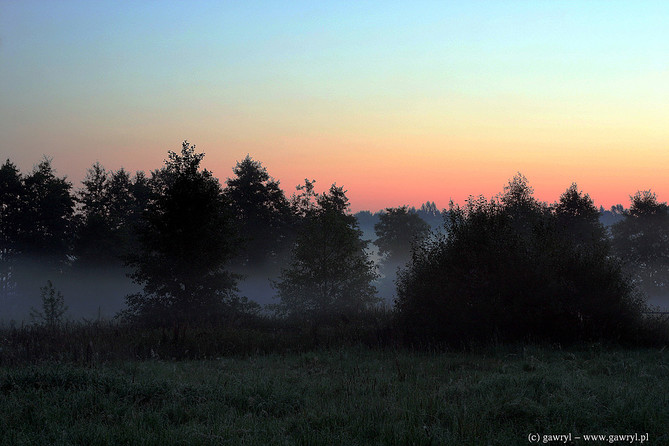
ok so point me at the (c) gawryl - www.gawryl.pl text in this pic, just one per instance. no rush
(607, 438)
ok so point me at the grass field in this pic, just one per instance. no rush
(354, 396)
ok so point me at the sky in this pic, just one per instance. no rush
(399, 102)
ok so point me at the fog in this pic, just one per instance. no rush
(256, 283)
(89, 293)
(93, 293)
(659, 302)
(99, 292)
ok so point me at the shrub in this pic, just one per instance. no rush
(512, 269)
(53, 307)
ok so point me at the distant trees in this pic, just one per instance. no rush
(510, 269)
(12, 195)
(641, 240)
(329, 274)
(396, 231)
(185, 244)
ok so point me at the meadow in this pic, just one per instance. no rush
(351, 395)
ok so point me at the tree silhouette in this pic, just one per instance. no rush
(396, 231)
(578, 217)
(46, 215)
(12, 198)
(36, 221)
(125, 211)
(109, 214)
(185, 245)
(641, 240)
(329, 274)
(262, 211)
(508, 270)
(94, 243)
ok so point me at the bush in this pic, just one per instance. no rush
(53, 308)
(512, 269)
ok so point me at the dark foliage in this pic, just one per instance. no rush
(12, 194)
(641, 240)
(262, 212)
(36, 229)
(329, 275)
(53, 308)
(508, 269)
(578, 218)
(47, 209)
(98, 341)
(185, 244)
(513, 269)
(111, 209)
(397, 230)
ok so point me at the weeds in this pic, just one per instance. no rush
(53, 308)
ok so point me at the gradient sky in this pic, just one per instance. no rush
(399, 102)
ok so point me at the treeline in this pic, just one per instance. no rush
(509, 268)
(185, 239)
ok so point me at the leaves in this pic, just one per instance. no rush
(329, 273)
(185, 244)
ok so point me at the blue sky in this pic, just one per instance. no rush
(356, 92)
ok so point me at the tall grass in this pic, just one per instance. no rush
(100, 341)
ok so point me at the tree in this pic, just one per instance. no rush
(430, 214)
(124, 211)
(396, 231)
(578, 217)
(47, 215)
(94, 242)
(108, 217)
(142, 194)
(93, 196)
(36, 220)
(641, 240)
(185, 245)
(329, 274)
(53, 308)
(12, 198)
(524, 211)
(262, 212)
(508, 270)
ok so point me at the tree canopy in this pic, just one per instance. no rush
(329, 274)
(641, 240)
(185, 245)
(396, 231)
(262, 212)
(47, 214)
(108, 218)
(507, 270)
